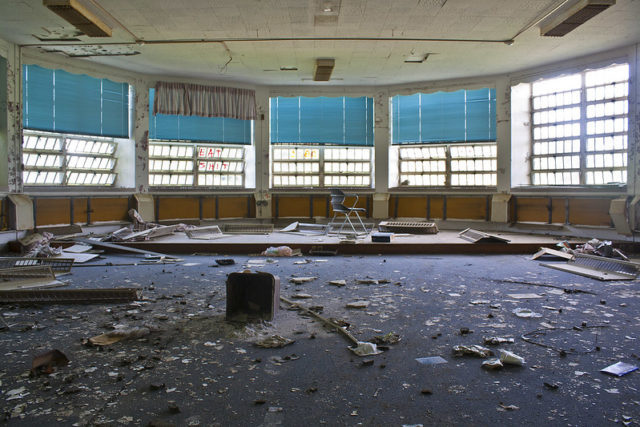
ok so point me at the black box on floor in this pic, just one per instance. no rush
(381, 237)
(252, 296)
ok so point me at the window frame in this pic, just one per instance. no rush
(322, 174)
(583, 137)
(65, 155)
(195, 159)
(447, 159)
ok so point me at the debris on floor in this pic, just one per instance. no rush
(431, 360)
(284, 251)
(119, 334)
(46, 363)
(301, 280)
(338, 283)
(551, 253)
(274, 341)
(358, 304)
(475, 236)
(210, 232)
(28, 277)
(525, 313)
(69, 296)
(365, 349)
(619, 369)
(497, 340)
(598, 267)
(492, 364)
(510, 358)
(39, 245)
(471, 350)
(386, 339)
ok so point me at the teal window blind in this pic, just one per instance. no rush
(322, 120)
(58, 101)
(461, 116)
(196, 128)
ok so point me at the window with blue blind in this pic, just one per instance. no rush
(322, 120)
(196, 128)
(62, 102)
(444, 117)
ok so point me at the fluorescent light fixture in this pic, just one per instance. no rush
(288, 68)
(572, 15)
(79, 16)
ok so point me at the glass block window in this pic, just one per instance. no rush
(68, 160)
(312, 166)
(448, 165)
(580, 128)
(473, 165)
(187, 165)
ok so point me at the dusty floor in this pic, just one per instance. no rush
(196, 369)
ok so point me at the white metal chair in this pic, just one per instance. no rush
(337, 204)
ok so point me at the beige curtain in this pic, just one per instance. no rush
(206, 101)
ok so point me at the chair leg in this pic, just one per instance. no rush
(326, 231)
(364, 229)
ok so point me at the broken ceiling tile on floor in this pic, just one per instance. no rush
(475, 236)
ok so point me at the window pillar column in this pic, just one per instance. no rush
(503, 134)
(11, 178)
(382, 144)
(140, 134)
(262, 154)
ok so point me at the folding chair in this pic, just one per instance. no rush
(337, 204)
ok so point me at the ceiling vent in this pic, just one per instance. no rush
(79, 16)
(324, 68)
(572, 15)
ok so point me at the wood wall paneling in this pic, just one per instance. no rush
(52, 211)
(533, 209)
(412, 207)
(178, 208)
(589, 212)
(234, 207)
(558, 210)
(209, 208)
(467, 208)
(109, 209)
(292, 206)
(80, 211)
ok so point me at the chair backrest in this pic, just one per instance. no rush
(337, 200)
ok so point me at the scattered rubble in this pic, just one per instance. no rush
(471, 350)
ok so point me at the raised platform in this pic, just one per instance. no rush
(445, 242)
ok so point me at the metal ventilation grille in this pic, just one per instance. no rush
(59, 265)
(607, 264)
(247, 228)
(69, 296)
(408, 227)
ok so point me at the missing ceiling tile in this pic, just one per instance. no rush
(416, 59)
(57, 34)
(320, 20)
